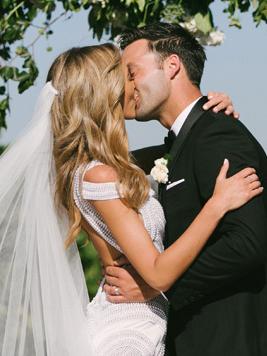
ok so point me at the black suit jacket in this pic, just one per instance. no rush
(219, 305)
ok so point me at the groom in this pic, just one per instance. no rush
(219, 306)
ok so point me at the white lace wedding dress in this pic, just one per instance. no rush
(127, 329)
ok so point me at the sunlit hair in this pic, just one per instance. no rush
(88, 123)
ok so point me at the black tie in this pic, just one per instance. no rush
(168, 140)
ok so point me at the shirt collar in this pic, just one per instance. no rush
(178, 123)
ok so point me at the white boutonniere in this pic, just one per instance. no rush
(160, 172)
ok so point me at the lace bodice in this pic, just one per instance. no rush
(151, 211)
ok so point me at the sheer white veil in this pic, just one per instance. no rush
(43, 295)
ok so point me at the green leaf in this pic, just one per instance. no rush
(23, 75)
(27, 62)
(4, 104)
(129, 2)
(22, 51)
(168, 157)
(24, 85)
(9, 73)
(173, 13)
(2, 147)
(5, 3)
(141, 4)
(2, 119)
(260, 14)
(32, 13)
(234, 22)
(203, 22)
(49, 49)
(12, 34)
(2, 90)
(5, 53)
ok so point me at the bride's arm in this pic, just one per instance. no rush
(129, 232)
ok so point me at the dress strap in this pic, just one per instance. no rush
(98, 191)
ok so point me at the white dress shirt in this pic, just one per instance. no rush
(178, 123)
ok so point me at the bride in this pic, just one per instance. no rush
(71, 168)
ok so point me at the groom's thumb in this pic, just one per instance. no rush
(224, 170)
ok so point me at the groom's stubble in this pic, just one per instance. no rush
(146, 85)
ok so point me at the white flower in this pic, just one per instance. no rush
(161, 162)
(214, 38)
(102, 2)
(116, 40)
(190, 25)
(160, 171)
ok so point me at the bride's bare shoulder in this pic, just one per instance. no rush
(100, 174)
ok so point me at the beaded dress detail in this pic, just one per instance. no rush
(126, 329)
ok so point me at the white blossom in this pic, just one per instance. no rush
(190, 25)
(102, 2)
(116, 40)
(214, 38)
(161, 162)
(160, 171)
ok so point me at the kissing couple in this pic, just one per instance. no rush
(185, 267)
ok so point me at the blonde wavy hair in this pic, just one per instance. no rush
(88, 123)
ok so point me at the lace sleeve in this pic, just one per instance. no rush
(100, 191)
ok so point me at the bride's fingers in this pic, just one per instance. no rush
(111, 297)
(218, 102)
(255, 185)
(252, 178)
(229, 110)
(256, 192)
(111, 290)
(113, 281)
(236, 115)
(245, 172)
(223, 171)
(114, 271)
(211, 94)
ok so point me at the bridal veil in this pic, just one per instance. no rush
(43, 295)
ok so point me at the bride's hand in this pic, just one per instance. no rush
(220, 102)
(233, 192)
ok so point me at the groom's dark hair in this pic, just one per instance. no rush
(166, 39)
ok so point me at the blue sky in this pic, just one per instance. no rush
(237, 67)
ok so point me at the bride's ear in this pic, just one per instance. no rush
(172, 65)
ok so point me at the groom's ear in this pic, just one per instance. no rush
(172, 65)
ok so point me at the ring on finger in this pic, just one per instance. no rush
(117, 291)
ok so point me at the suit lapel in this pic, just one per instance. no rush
(192, 118)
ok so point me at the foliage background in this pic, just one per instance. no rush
(104, 17)
(90, 262)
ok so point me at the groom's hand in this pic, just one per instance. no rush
(123, 284)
